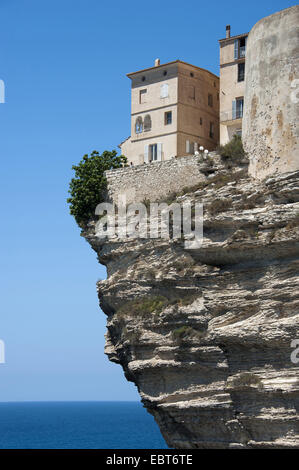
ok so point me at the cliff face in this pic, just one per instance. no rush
(205, 334)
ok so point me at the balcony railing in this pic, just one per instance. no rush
(230, 115)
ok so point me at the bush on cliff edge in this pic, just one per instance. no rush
(233, 151)
(87, 188)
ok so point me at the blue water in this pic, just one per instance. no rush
(78, 425)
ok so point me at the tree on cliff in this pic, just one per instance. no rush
(87, 188)
(233, 151)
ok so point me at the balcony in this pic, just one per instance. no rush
(227, 116)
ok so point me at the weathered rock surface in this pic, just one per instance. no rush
(270, 124)
(206, 334)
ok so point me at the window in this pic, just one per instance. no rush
(164, 90)
(191, 74)
(211, 130)
(143, 78)
(142, 96)
(168, 118)
(165, 73)
(238, 106)
(210, 100)
(147, 123)
(200, 121)
(153, 152)
(191, 92)
(241, 72)
(189, 147)
(138, 125)
(240, 48)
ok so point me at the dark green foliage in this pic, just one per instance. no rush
(87, 188)
(220, 205)
(144, 306)
(246, 379)
(182, 332)
(294, 223)
(185, 334)
(153, 304)
(233, 151)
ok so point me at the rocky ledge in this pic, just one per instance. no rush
(205, 334)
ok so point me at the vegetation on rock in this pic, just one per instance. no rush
(233, 151)
(144, 306)
(88, 187)
(246, 379)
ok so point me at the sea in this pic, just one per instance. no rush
(78, 425)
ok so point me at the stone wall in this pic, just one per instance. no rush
(270, 135)
(157, 179)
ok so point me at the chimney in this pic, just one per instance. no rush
(228, 31)
(157, 62)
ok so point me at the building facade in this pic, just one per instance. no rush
(232, 84)
(174, 109)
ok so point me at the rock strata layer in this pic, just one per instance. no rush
(205, 334)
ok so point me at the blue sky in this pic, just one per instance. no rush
(64, 64)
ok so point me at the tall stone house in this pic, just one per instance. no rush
(232, 84)
(174, 110)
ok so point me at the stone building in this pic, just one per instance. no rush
(174, 109)
(232, 84)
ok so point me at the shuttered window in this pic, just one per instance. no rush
(146, 154)
(236, 49)
(147, 123)
(142, 96)
(159, 152)
(191, 92)
(138, 125)
(164, 90)
(234, 109)
(168, 118)
(239, 107)
(153, 152)
(241, 72)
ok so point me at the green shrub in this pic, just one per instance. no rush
(185, 333)
(220, 205)
(182, 332)
(246, 379)
(153, 305)
(233, 151)
(144, 306)
(88, 187)
(292, 224)
(188, 299)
